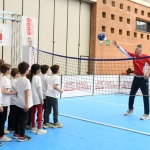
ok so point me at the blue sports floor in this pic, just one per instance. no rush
(92, 123)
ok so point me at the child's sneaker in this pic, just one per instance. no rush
(16, 136)
(1, 144)
(145, 117)
(24, 138)
(57, 125)
(129, 112)
(41, 131)
(33, 130)
(28, 127)
(6, 131)
(4, 138)
(47, 125)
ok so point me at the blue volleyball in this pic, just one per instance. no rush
(101, 36)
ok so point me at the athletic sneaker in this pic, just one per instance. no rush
(24, 138)
(129, 112)
(1, 144)
(33, 130)
(28, 127)
(57, 125)
(48, 125)
(6, 131)
(145, 117)
(4, 138)
(41, 131)
(16, 136)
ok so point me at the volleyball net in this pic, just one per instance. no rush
(81, 76)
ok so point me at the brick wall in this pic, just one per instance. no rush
(106, 18)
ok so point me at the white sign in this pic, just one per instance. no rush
(82, 85)
(5, 34)
(106, 84)
(29, 31)
(77, 85)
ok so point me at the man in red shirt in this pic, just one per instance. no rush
(140, 78)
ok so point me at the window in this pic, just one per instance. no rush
(128, 33)
(113, 3)
(103, 28)
(142, 13)
(121, 19)
(112, 17)
(128, 21)
(148, 15)
(136, 10)
(129, 8)
(148, 37)
(143, 26)
(142, 36)
(112, 30)
(120, 31)
(135, 34)
(121, 6)
(103, 14)
(104, 1)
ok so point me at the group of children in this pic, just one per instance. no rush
(24, 96)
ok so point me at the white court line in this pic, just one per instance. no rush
(99, 101)
(105, 124)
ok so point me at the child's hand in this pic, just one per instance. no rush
(1, 108)
(26, 108)
(42, 102)
(60, 91)
(3, 91)
(13, 92)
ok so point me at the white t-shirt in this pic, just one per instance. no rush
(13, 88)
(44, 79)
(0, 96)
(36, 85)
(54, 79)
(22, 85)
(5, 83)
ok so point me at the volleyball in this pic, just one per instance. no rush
(101, 36)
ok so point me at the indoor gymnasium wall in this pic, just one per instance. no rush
(64, 25)
(16, 7)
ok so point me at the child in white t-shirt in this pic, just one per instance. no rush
(12, 114)
(37, 96)
(23, 103)
(44, 78)
(52, 93)
(5, 86)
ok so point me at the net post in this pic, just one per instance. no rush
(119, 85)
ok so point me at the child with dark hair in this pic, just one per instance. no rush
(129, 71)
(12, 114)
(52, 94)
(5, 86)
(23, 103)
(37, 96)
(44, 79)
